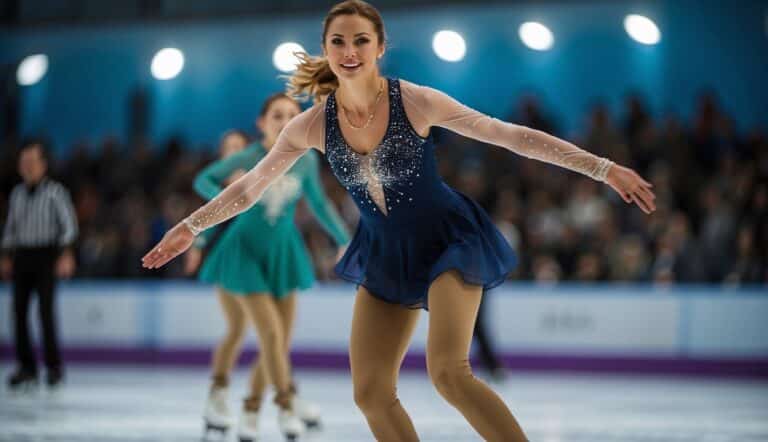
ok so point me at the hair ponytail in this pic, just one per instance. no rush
(313, 78)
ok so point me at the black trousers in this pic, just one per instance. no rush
(34, 271)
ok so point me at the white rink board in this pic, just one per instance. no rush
(523, 318)
(599, 324)
(728, 326)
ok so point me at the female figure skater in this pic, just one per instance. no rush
(419, 243)
(258, 279)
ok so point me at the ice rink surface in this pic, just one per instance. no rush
(133, 404)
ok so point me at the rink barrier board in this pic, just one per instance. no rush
(605, 328)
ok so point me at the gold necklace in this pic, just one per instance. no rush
(371, 116)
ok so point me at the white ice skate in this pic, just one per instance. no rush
(217, 417)
(308, 412)
(290, 425)
(248, 429)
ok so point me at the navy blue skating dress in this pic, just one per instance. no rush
(413, 226)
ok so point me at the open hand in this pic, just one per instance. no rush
(632, 188)
(174, 243)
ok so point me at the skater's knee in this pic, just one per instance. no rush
(450, 378)
(372, 396)
(235, 334)
(270, 339)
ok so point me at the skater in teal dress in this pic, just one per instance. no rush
(257, 279)
(419, 243)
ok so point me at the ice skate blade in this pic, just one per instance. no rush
(211, 427)
(23, 389)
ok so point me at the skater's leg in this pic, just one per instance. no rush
(249, 422)
(286, 307)
(380, 336)
(217, 415)
(228, 349)
(263, 313)
(453, 307)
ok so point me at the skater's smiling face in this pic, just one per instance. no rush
(275, 116)
(353, 44)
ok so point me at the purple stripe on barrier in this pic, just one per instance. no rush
(416, 361)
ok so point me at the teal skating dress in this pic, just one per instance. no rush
(262, 250)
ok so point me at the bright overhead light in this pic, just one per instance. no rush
(167, 63)
(449, 46)
(284, 57)
(536, 36)
(32, 69)
(642, 29)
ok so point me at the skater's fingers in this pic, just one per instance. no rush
(152, 252)
(155, 256)
(165, 257)
(647, 193)
(648, 197)
(623, 194)
(645, 206)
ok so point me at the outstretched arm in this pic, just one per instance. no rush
(235, 198)
(431, 107)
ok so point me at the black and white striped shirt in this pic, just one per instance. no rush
(42, 216)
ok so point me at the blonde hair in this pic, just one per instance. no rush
(313, 77)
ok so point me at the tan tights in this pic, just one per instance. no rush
(273, 320)
(380, 336)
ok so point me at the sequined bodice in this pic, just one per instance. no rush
(386, 181)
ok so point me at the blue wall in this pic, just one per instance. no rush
(229, 71)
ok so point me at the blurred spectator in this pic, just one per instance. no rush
(530, 113)
(629, 260)
(589, 268)
(746, 267)
(716, 232)
(602, 138)
(637, 118)
(546, 270)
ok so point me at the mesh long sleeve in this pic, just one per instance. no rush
(246, 191)
(430, 107)
(208, 183)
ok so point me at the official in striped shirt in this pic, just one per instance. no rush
(38, 237)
